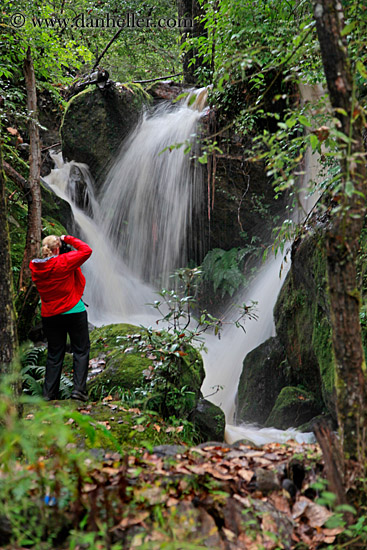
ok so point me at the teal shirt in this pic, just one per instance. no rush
(78, 308)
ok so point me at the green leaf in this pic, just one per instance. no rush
(314, 141)
(348, 28)
(361, 69)
(303, 120)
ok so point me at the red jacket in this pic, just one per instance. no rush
(59, 279)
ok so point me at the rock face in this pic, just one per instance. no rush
(95, 124)
(288, 380)
(302, 322)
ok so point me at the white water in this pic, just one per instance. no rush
(139, 232)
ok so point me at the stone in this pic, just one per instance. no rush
(95, 124)
(128, 370)
(292, 408)
(266, 480)
(168, 450)
(302, 321)
(209, 420)
(265, 372)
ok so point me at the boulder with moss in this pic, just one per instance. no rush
(302, 320)
(293, 407)
(134, 372)
(95, 124)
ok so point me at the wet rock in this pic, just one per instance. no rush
(302, 321)
(209, 420)
(95, 124)
(56, 211)
(167, 90)
(265, 372)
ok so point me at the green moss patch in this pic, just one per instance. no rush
(293, 407)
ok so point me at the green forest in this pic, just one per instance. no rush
(200, 382)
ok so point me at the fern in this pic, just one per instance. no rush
(33, 374)
(224, 269)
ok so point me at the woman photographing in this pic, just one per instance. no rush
(60, 283)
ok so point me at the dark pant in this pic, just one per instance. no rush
(56, 329)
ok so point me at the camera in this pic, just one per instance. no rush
(64, 248)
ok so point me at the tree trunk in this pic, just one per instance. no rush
(190, 10)
(342, 239)
(27, 298)
(8, 339)
(33, 238)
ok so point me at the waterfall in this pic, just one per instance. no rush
(138, 232)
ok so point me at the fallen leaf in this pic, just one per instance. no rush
(139, 428)
(247, 475)
(231, 536)
(316, 514)
(157, 427)
(131, 520)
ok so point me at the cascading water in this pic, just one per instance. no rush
(138, 233)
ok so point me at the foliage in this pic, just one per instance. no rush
(33, 374)
(224, 269)
(174, 378)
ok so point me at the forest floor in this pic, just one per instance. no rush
(174, 496)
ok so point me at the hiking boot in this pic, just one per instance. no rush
(79, 395)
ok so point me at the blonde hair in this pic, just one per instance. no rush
(49, 245)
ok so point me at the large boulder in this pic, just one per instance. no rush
(302, 321)
(96, 122)
(265, 372)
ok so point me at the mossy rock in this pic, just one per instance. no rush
(126, 371)
(302, 320)
(265, 372)
(104, 339)
(95, 123)
(209, 420)
(293, 408)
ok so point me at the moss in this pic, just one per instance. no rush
(122, 371)
(293, 407)
(105, 338)
(303, 322)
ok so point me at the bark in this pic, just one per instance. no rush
(8, 339)
(342, 239)
(33, 238)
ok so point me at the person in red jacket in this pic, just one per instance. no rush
(60, 283)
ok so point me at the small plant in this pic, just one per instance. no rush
(173, 380)
(33, 374)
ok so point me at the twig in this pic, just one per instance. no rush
(50, 146)
(155, 79)
(107, 47)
